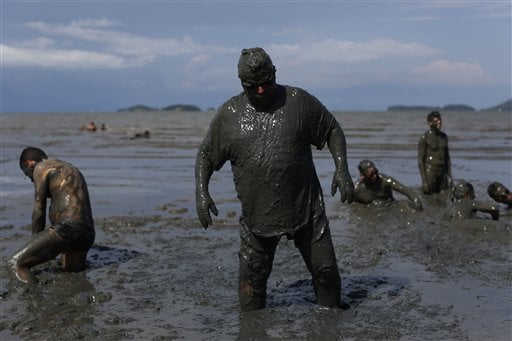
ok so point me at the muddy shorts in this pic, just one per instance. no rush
(80, 236)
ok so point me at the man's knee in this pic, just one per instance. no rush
(327, 275)
(254, 273)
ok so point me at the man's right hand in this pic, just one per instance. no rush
(205, 204)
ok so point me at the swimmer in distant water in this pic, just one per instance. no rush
(500, 194)
(72, 227)
(141, 135)
(90, 127)
(465, 206)
(433, 157)
(373, 186)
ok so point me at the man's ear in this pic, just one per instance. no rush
(30, 163)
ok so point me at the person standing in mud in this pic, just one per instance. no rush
(500, 194)
(465, 206)
(266, 133)
(72, 227)
(434, 158)
(373, 186)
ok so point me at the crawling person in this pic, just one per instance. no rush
(373, 186)
(465, 206)
(72, 227)
(500, 194)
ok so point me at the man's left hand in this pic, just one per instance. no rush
(344, 183)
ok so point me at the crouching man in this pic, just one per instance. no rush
(71, 232)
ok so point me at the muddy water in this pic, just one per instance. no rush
(154, 274)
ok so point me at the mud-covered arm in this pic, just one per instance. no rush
(203, 172)
(449, 167)
(407, 191)
(362, 194)
(484, 207)
(341, 179)
(422, 152)
(211, 156)
(42, 192)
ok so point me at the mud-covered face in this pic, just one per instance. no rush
(261, 94)
(436, 123)
(463, 190)
(501, 193)
(28, 170)
(258, 77)
(371, 174)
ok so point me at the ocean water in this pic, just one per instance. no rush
(154, 273)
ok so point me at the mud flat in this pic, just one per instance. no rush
(154, 274)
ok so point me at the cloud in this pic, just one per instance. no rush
(120, 43)
(61, 59)
(95, 44)
(452, 73)
(340, 51)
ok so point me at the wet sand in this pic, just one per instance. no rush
(155, 274)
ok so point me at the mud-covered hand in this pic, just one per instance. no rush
(343, 182)
(416, 204)
(205, 204)
(449, 181)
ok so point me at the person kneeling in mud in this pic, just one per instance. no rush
(500, 194)
(465, 206)
(373, 186)
(72, 227)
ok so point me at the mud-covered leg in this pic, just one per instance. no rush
(256, 257)
(43, 247)
(74, 261)
(319, 256)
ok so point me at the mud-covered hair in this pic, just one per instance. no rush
(432, 115)
(32, 153)
(364, 165)
(462, 188)
(255, 67)
(494, 190)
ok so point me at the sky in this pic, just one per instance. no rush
(103, 55)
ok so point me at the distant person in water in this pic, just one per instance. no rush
(90, 127)
(71, 232)
(373, 187)
(144, 135)
(465, 206)
(500, 194)
(266, 132)
(434, 158)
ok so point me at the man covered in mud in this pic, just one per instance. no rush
(375, 187)
(266, 133)
(500, 194)
(465, 206)
(72, 227)
(434, 158)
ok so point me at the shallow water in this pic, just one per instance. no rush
(155, 274)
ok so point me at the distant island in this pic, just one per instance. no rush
(505, 106)
(174, 107)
